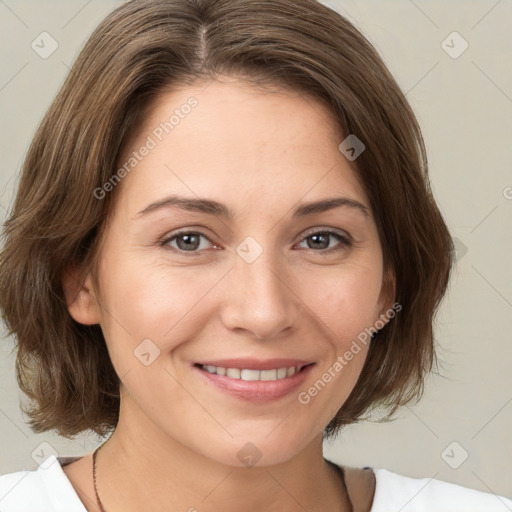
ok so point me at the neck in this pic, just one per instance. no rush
(141, 465)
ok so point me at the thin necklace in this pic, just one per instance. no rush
(100, 505)
(339, 469)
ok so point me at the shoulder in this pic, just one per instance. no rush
(44, 489)
(395, 492)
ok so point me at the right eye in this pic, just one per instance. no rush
(186, 241)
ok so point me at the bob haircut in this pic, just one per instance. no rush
(146, 47)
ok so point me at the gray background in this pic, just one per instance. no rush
(464, 106)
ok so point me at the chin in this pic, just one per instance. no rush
(256, 449)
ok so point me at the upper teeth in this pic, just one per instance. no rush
(244, 374)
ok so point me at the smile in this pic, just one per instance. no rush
(262, 382)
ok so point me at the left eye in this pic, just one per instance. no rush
(320, 240)
(190, 241)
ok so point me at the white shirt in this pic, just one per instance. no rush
(48, 489)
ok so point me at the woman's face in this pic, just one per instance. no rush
(239, 290)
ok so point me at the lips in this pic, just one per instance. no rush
(231, 379)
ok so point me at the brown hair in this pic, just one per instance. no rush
(141, 49)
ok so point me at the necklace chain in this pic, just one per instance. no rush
(102, 508)
(100, 505)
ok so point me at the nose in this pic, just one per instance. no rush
(260, 299)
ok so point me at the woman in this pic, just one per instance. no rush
(223, 249)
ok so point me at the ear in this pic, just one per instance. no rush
(387, 294)
(80, 297)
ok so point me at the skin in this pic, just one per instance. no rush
(176, 444)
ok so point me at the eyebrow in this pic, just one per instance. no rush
(215, 208)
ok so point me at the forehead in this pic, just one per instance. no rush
(227, 139)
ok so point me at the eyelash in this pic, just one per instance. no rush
(344, 241)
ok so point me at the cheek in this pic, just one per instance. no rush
(153, 302)
(347, 301)
(346, 307)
